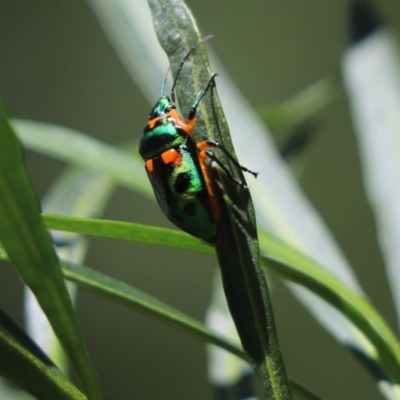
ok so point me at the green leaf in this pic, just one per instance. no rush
(281, 259)
(372, 330)
(30, 373)
(281, 207)
(10, 327)
(128, 295)
(90, 153)
(237, 247)
(127, 231)
(119, 291)
(30, 249)
(132, 297)
(76, 192)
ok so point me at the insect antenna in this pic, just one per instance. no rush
(164, 82)
(208, 37)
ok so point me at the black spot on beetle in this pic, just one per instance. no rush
(182, 182)
(190, 208)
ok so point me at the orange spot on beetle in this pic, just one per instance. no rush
(152, 123)
(178, 121)
(202, 156)
(203, 145)
(149, 165)
(187, 127)
(171, 156)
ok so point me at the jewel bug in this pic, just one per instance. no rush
(175, 163)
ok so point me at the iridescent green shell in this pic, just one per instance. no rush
(180, 188)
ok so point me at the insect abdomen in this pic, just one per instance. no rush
(181, 191)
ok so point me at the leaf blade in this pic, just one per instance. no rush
(42, 381)
(291, 265)
(29, 246)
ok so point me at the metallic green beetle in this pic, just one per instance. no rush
(176, 166)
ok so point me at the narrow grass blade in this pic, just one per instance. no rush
(122, 292)
(76, 192)
(32, 369)
(283, 260)
(126, 231)
(383, 353)
(30, 373)
(132, 297)
(10, 327)
(31, 251)
(247, 293)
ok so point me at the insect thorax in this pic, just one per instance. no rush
(163, 106)
(164, 134)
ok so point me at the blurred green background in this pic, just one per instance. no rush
(56, 66)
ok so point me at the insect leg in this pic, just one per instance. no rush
(193, 109)
(213, 157)
(214, 143)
